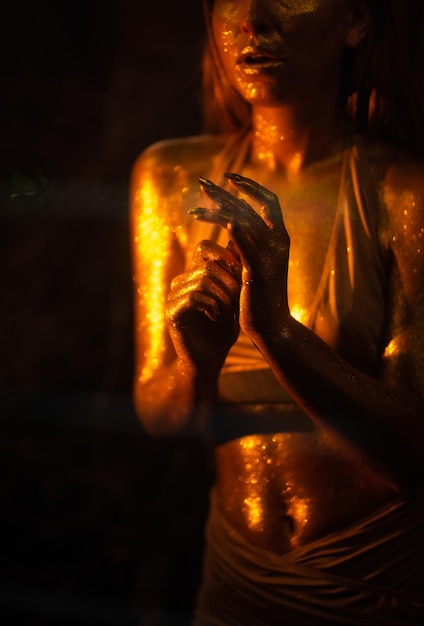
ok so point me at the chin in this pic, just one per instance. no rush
(266, 100)
(264, 93)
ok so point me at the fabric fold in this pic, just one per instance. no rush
(369, 573)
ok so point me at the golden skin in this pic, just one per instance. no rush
(299, 475)
(286, 488)
(292, 32)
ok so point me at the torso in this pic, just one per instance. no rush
(285, 489)
(288, 489)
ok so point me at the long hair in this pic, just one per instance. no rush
(381, 90)
(224, 110)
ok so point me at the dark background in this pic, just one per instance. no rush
(99, 524)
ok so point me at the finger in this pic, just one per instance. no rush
(210, 251)
(246, 241)
(246, 248)
(252, 228)
(267, 199)
(192, 301)
(212, 216)
(208, 278)
(207, 250)
(221, 300)
(204, 271)
(230, 206)
(232, 248)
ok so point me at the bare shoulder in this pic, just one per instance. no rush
(400, 179)
(172, 161)
(164, 183)
(400, 176)
(402, 217)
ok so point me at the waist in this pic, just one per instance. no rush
(291, 486)
(233, 420)
(367, 573)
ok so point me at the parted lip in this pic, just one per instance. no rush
(258, 54)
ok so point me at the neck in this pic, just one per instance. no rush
(288, 138)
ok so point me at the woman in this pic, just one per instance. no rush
(293, 336)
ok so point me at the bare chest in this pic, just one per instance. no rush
(309, 223)
(308, 204)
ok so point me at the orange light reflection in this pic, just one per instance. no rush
(153, 243)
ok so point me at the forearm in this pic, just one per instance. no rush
(382, 422)
(175, 400)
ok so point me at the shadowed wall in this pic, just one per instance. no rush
(100, 524)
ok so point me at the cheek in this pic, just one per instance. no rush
(323, 39)
(223, 29)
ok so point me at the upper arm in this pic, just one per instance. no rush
(404, 354)
(164, 186)
(157, 254)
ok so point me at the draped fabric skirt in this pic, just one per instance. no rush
(367, 574)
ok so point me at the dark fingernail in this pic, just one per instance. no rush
(205, 182)
(214, 316)
(211, 315)
(233, 176)
(197, 211)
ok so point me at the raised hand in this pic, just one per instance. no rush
(262, 243)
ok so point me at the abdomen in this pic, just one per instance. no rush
(287, 489)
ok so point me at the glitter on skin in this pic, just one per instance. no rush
(152, 236)
(257, 461)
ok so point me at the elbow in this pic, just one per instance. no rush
(155, 423)
(159, 420)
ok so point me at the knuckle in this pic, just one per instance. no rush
(174, 282)
(203, 246)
